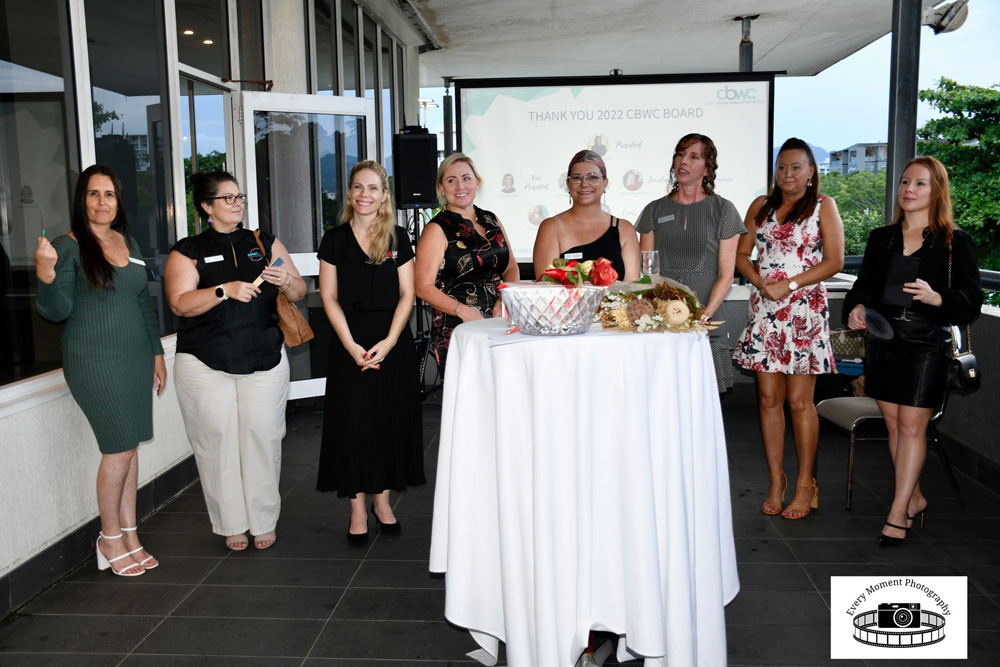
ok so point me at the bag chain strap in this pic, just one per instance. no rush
(968, 331)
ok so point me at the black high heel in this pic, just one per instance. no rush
(386, 528)
(920, 514)
(889, 541)
(356, 539)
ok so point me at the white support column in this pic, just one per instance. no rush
(81, 82)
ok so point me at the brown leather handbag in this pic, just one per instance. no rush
(291, 320)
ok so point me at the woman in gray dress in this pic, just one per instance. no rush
(696, 232)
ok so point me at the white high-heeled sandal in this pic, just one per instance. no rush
(135, 551)
(103, 562)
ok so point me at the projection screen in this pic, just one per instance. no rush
(521, 134)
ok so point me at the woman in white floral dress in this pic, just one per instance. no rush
(800, 243)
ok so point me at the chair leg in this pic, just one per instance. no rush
(850, 473)
(933, 437)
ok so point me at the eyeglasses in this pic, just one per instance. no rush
(230, 198)
(589, 179)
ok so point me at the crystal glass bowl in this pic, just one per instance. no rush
(552, 310)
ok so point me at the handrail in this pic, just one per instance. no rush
(989, 279)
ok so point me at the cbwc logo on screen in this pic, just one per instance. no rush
(727, 94)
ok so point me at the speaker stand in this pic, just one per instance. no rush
(422, 335)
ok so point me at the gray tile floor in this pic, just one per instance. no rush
(313, 600)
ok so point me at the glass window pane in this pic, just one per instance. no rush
(251, 38)
(326, 48)
(369, 42)
(38, 168)
(303, 161)
(203, 137)
(129, 124)
(202, 35)
(349, 32)
(400, 80)
(387, 104)
(302, 164)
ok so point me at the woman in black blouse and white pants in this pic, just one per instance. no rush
(231, 371)
(908, 375)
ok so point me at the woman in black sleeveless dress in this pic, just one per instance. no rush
(585, 231)
(462, 256)
(372, 433)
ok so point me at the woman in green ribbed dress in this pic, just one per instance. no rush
(93, 279)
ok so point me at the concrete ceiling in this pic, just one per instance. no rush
(526, 38)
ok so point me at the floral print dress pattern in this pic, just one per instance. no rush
(790, 335)
(470, 272)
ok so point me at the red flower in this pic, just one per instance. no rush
(602, 273)
(572, 262)
(774, 345)
(783, 314)
(817, 301)
(557, 275)
(781, 232)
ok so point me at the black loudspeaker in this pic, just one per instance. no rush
(415, 170)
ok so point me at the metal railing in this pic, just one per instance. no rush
(989, 279)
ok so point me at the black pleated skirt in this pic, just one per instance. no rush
(912, 368)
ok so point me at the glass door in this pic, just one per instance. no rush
(299, 151)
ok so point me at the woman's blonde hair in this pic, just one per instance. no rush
(383, 230)
(447, 162)
(941, 219)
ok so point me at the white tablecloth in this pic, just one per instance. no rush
(582, 483)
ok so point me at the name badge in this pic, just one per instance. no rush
(213, 258)
(136, 260)
(573, 255)
(666, 218)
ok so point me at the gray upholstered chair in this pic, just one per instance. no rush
(850, 412)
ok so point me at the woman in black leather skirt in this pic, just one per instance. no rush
(921, 273)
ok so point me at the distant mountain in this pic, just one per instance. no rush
(821, 153)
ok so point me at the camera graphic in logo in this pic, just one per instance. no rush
(899, 615)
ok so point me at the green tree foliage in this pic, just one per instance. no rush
(967, 141)
(860, 198)
(213, 161)
(101, 116)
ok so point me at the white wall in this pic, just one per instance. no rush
(50, 459)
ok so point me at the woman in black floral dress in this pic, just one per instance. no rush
(462, 256)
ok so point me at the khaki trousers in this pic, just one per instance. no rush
(235, 424)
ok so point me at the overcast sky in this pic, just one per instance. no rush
(848, 103)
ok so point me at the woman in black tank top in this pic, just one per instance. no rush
(585, 231)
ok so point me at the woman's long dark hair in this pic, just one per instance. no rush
(99, 271)
(205, 185)
(805, 206)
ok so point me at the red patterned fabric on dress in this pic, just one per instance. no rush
(790, 335)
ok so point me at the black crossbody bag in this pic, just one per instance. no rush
(963, 371)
